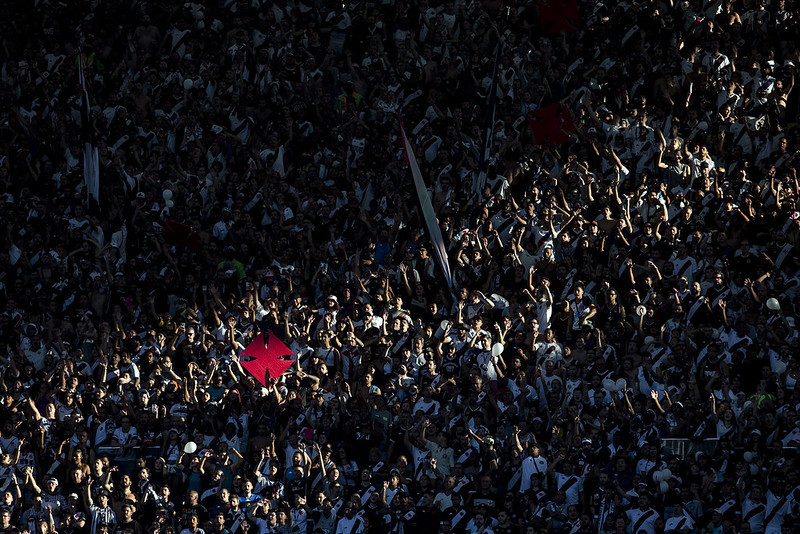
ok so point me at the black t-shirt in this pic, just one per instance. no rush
(481, 498)
(231, 515)
(15, 513)
(746, 265)
(509, 529)
(397, 436)
(297, 487)
(450, 367)
(132, 526)
(219, 507)
(426, 521)
(188, 510)
(273, 489)
(715, 291)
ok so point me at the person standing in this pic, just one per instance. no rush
(102, 514)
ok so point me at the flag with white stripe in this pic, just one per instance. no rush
(432, 223)
(91, 159)
(483, 163)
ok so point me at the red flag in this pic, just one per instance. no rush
(558, 15)
(552, 125)
(179, 234)
(266, 358)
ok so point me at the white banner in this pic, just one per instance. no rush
(431, 221)
(91, 159)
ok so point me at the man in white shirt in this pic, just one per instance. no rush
(779, 504)
(427, 404)
(716, 63)
(643, 517)
(568, 482)
(533, 464)
(754, 508)
(684, 264)
(440, 450)
(350, 524)
(9, 443)
(479, 524)
(443, 499)
(680, 522)
(223, 226)
(126, 438)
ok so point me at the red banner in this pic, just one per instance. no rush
(552, 125)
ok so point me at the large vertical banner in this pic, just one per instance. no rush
(91, 158)
(439, 251)
(483, 163)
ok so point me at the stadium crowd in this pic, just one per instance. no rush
(617, 353)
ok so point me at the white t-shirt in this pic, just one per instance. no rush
(487, 362)
(350, 526)
(430, 408)
(572, 486)
(532, 466)
(679, 523)
(124, 438)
